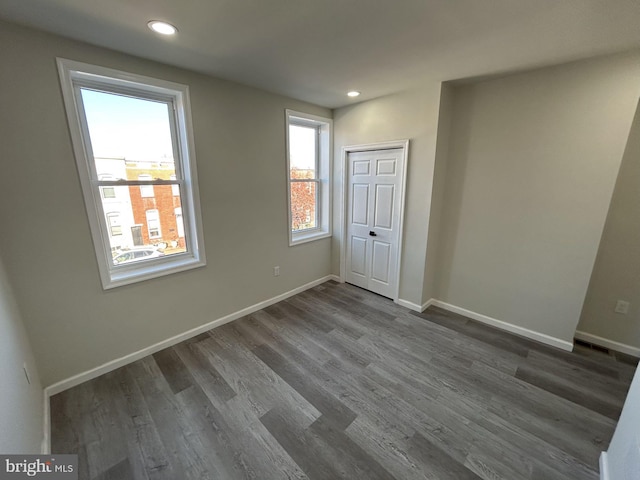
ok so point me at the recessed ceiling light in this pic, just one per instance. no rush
(163, 28)
(353, 93)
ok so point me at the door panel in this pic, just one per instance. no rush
(380, 262)
(384, 206)
(360, 204)
(386, 167)
(373, 219)
(361, 168)
(359, 256)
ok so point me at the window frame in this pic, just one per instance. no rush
(322, 180)
(75, 75)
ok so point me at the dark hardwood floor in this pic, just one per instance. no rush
(339, 383)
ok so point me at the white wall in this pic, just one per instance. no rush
(414, 115)
(240, 149)
(616, 274)
(532, 163)
(21, 403)
(623, 455)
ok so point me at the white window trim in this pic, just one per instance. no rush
(323, 206)
(117, 275)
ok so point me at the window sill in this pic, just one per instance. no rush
(305, 237)
(154, 269)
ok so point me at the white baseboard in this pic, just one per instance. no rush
(603, 342)
(509, 327)
(414, 306)
(132, 357)
(407, 304)
(604, 466)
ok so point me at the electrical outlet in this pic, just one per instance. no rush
(276, 271)
(622, 307)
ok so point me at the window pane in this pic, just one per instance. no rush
(303, 205)
(129, 136)
(302, 151)
(149, 226)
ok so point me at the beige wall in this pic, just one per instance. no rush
(436, 220)
(530, 173)
(239, 134)
(413, 115)
(616, 274)
(21, 403)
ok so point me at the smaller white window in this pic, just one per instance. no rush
(153, 224)
(114, 223)
(146, 191)
(107, 192)
(309, 176)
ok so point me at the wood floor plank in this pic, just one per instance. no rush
(259, 386)
(438, 463)
(323, 450)
(601, 385)
(327, 404)
(212, 439)
(337, 382)
(353, 460)
(388, 445)
(109, 450)
(551, 460)
(204, 372)
(175, 372)
(120, 471)
(147, 453)
(301, 447)
(561, 387)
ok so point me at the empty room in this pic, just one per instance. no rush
(357, 239)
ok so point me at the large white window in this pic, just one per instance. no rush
(134, 152)
(308, 172)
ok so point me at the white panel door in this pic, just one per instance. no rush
(373, 219)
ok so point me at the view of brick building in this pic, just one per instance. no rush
(156, 208)
(303, 200)
(142, 215)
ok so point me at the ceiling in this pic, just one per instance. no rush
(318, 50)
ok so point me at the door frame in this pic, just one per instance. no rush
(395, 144)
